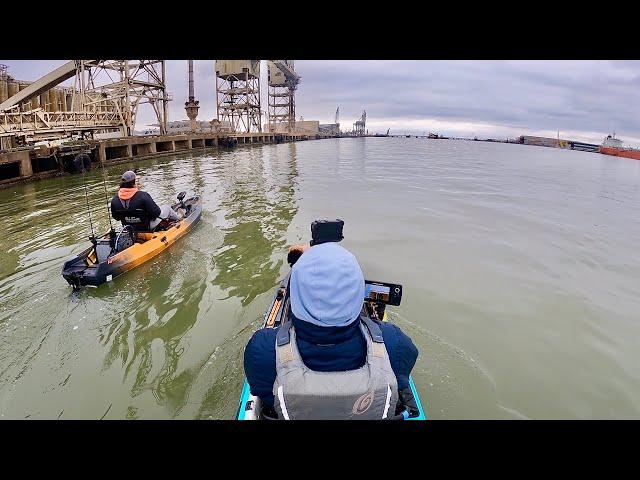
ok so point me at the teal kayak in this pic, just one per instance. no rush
(249, 407)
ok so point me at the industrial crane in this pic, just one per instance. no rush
(291, 77)
(283, 81)
(359, 126)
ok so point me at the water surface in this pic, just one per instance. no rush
(519, 265)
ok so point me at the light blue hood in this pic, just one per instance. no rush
(327, 286)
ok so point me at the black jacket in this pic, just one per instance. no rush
(140, 200)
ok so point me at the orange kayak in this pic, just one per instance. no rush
(103, 261)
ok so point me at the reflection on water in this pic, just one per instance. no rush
(156, 320)
(258, 197)
(259, 200)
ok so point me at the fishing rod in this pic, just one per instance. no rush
(112, 232)
(106, 197)
(86, 196)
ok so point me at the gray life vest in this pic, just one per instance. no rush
(367, 393)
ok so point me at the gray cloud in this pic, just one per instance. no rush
(582, 99)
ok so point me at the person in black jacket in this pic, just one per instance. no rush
(129, 197)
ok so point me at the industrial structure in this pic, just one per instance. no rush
(359, 126)
(192, 105)
(105, 97)
(557, 143)
(332, 128)
(58, 99)
(282, 84)
(177, 127)
(91, 106)
(238, 94)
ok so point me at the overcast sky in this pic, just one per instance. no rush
(584, 100)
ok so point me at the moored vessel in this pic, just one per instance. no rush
(614, 146)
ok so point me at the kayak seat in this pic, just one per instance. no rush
(136, 218)
(125, 239)
(103, 250)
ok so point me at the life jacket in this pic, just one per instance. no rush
(367, 393)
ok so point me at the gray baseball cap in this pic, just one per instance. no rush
(128, 176)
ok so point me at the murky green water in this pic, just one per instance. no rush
(520, 267)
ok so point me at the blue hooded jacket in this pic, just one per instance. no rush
(327, 291)
(324, 349)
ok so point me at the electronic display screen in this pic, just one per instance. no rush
(382, 292)
(378, 293)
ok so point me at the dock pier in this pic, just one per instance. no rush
(32, 163)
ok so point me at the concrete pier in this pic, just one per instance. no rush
(17, 163)
(29, 163)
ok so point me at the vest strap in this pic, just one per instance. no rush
(283, 343)
(283, 337)
(374, 329)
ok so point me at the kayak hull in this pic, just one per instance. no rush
(95, 266)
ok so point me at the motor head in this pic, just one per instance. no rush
(181, 195)
(323, 231)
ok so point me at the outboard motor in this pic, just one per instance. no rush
(181, 196)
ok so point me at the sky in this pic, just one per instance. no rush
(582, 100)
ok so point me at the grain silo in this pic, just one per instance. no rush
(238, 94)
(4, 88)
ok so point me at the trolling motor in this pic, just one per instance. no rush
(181, 196)
(322, 231)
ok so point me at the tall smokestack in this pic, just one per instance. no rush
(192, 106)
(191, 95)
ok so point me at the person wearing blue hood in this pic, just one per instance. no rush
(329, 360)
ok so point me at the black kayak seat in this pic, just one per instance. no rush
(103, 250)
(137, 218)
